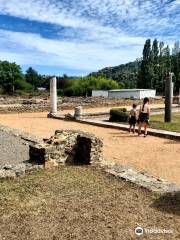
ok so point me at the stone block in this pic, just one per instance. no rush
(7, 174)
(50, 164)
(40, 152)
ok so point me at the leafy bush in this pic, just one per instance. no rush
(60, 92)
(69, 92)
(118, 115)
(85, 85)
(21, 84)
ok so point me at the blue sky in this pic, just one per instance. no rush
(80, 36)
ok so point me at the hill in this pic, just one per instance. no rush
(125, 74)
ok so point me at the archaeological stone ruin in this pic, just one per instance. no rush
(68, 147)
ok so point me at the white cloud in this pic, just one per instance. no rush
(151, 15)
(33, 49)
(98, 33)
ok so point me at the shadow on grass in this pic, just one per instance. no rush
(169, 202)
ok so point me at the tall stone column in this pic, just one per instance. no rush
(168, 97)
(53, 95)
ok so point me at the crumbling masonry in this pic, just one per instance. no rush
(68, 147)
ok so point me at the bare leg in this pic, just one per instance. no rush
(139, 129)
(130, 128)
(145, 129)
(133, 128)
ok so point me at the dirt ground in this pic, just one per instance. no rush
(83, 203)
(157, 156)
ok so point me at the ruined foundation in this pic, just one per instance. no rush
(68, 147)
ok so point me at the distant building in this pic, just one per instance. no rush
(41, 89)
(100, 93)
(125, 93)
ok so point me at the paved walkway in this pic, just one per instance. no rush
(157, 156)
(153, 132)
(13, 149)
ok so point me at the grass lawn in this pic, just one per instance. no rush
(82, 203)
(157, 121)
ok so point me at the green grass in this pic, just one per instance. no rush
(157, 121)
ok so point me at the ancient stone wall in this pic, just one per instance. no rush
(68, 147)
(17, 104)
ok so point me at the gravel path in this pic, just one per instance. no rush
(13, 149)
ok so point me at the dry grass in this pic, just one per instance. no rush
(82, 203)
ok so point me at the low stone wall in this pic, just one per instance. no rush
(24, 108)
(176, 100)
(143, 179)
(68, 147)
(18, 170)
(87, 115)
(15, 104)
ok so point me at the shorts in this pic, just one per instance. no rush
(143, 118)
(132, 121)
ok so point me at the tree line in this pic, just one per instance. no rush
(12, 78)
(146, 72)
(156, 62)
(150, 70)
(13, 81)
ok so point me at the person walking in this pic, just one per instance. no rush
(132, 118)
(144, 114)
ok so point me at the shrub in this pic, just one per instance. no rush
(60, 92)
(69, 92)
(21, 84)
(118, 115)
(84, 85)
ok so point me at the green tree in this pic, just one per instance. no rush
(155, 51)
(161, 46)
(63, 82)
(156, 65)
(167, 59)
(176, 71)
(32, 77)
(147, 50)
(146, 69)
(161, 69)
(9, 73)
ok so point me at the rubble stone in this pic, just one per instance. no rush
(68, 147)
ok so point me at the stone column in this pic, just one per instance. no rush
(168, 97)
(77, 112)
(53, 95)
